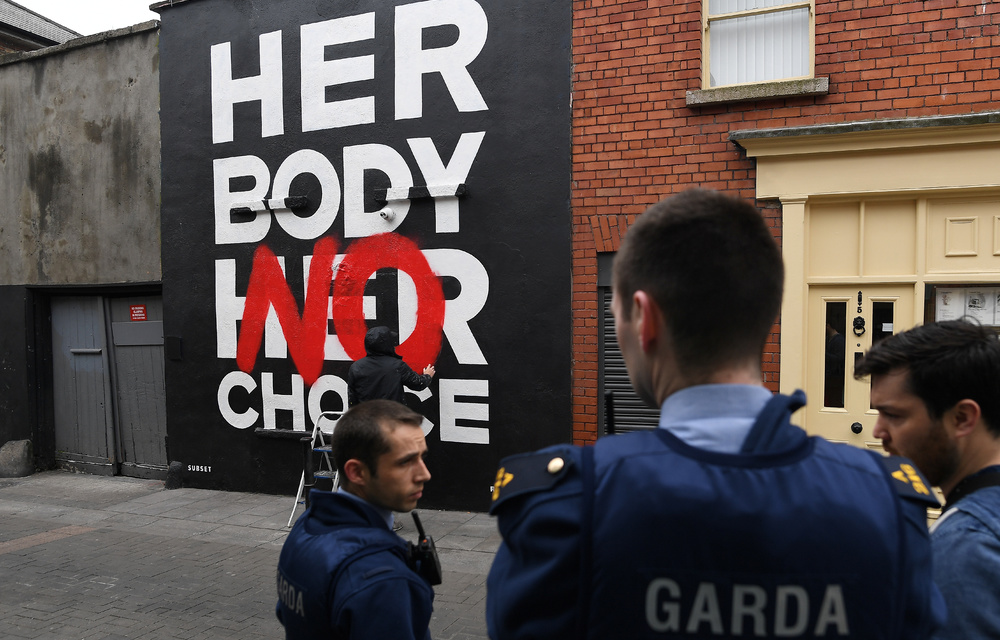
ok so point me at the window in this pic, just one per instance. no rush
(834, 366)
(751, 41)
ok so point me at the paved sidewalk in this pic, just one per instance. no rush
(90, 557)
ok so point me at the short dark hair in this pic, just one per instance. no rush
(945, 362)
(713, 268)
(360, 433)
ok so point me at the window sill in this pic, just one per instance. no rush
(759, 91)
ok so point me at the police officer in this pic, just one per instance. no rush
(342, 572)
(382, 374)
(727, 521)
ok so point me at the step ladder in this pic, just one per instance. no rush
(317, 444)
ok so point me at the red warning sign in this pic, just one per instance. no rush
(138, 312)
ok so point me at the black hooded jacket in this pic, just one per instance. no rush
(382, 373)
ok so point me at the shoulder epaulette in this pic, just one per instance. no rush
(529, 472)
(908, 482)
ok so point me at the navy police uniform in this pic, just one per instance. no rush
(645, 536)
(344, 574)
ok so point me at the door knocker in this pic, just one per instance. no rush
(859, 326)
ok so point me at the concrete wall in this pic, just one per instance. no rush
(79, 161)
(79, 196)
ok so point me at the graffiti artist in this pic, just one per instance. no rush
(382, 374)
(342, 572)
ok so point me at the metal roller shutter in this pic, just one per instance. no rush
(630, 413)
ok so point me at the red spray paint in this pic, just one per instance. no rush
(306, 334)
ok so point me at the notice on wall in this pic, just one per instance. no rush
(977, 304)
(980, 305)
(949, 304)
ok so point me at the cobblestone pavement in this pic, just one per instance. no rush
(91, 557)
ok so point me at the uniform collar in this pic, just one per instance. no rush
(714, 417)
(385, 514)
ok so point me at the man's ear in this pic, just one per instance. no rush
(357, 472)
(648, 317)
(966, 415)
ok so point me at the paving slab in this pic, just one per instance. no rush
(85, 556)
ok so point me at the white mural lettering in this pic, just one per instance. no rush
(413, 62)
(342, 82)
(265, 88)
(318, 73)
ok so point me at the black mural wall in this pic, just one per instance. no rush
(329, 166)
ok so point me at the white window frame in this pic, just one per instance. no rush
(708, 20)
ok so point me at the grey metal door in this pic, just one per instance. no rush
(81, 385)
(109, 395)
(137, 366)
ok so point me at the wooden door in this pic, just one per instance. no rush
(843, 323)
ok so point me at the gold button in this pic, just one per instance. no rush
(556, 465)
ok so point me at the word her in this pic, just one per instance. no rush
(412, 62)
(335, 290)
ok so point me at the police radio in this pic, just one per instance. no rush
(423, 556)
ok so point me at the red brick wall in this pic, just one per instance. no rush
(635, 141)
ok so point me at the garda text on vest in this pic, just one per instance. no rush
(752, 610)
